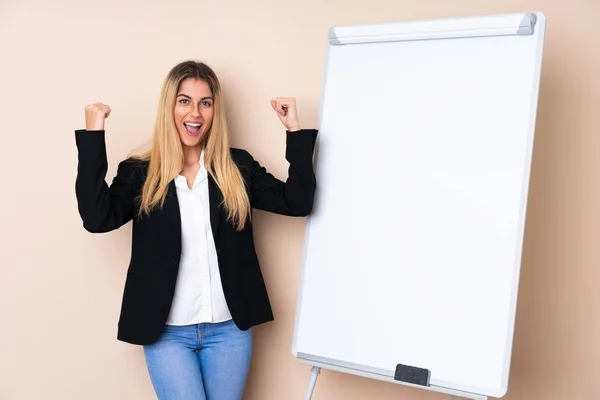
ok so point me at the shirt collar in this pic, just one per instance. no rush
(202, 175)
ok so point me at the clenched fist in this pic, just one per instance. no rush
(95, 114)
(285, 107)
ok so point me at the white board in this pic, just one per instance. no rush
(413, 251)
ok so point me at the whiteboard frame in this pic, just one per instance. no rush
(381, 375)
(475, 26)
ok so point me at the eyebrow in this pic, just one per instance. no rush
(185, 95)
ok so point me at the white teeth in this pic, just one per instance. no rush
(190, 124)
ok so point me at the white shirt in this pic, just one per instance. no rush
(198, 294)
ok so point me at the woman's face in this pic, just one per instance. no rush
(193, 111)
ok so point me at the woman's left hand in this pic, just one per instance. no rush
(285, 107)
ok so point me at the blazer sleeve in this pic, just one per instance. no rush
(294, 197)
(102, 208)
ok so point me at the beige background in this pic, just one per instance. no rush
(60, 292)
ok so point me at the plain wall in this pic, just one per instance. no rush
(61, 287)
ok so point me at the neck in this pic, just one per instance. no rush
(191, 155)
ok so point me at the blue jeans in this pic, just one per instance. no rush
(200, 362)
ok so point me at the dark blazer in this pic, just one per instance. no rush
(156, 238)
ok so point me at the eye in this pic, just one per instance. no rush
(206, 103)
(184, 101)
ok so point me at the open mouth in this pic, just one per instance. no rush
(192, 128)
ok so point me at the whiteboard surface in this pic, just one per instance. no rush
(413, 250)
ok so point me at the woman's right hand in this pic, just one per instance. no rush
(95, 114)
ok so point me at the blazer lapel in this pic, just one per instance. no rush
(171, 206)
(168, 221)
(214, 198)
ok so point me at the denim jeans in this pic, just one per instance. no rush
(207, 361)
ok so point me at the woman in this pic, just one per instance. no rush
(194, 287)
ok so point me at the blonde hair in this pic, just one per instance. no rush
(165, 155)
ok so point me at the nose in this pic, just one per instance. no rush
(195, 113)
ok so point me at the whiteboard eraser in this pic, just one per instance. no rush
(414, 375)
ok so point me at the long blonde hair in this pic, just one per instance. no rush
(165, 155)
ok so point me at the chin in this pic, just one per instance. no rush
(189, 140)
